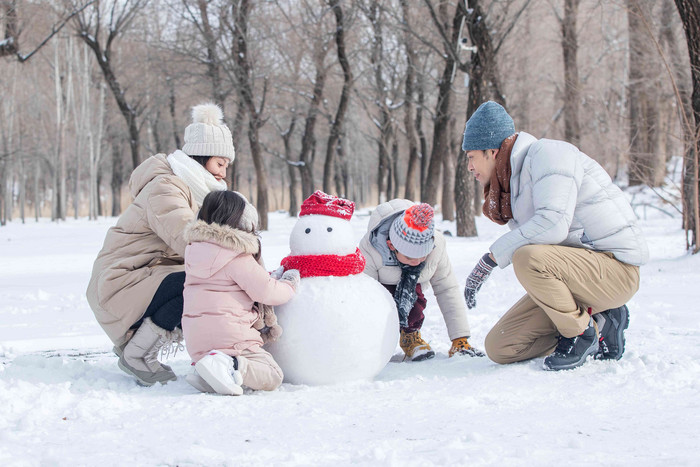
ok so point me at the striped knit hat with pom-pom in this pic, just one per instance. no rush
(412, 233)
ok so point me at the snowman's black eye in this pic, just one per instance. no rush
(330, 229)
(307, 230)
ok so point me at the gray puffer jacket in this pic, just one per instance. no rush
(383, 266)
(560, 196)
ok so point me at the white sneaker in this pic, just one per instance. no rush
(198, 382)
(220, 371)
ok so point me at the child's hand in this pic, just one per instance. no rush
(292, 277)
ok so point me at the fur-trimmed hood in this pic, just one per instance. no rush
(213, 246)
(227, 237)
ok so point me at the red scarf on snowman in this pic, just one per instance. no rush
(323, 204)
(326, 265)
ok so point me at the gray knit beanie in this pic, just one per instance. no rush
(412, 232)
(487, 127)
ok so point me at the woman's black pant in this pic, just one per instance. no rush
(165, 309)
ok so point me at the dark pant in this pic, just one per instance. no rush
(165, 309)
(415, 316)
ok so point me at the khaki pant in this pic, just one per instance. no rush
(561, 284)
(259, 370)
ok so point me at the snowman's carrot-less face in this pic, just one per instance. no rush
(322, 235)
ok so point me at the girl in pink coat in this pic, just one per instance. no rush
(225, 286)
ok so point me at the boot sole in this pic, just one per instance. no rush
(140, 379)
(592, 350)
(420, 358)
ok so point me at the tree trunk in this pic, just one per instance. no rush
(448, 174)
(339, 120)
(213, 62)
(173, 114)
(643, 97)
(440, 136)
(441, 144)
(89, 33)
(422, 139)
(484, 84)
(117, 177)
(569, 45)
(411, 191)
(58, 185)
(291, 169)
(241, 14)
(689, 11)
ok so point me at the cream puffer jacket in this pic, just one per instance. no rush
(144, 246)
(437, 271)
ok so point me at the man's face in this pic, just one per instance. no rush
(482, 164)
(403, 258)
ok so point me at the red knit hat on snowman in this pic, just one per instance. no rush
(327, 205)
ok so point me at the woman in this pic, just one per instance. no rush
(137, 280)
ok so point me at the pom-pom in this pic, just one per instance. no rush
(419, 217)
(209, 114)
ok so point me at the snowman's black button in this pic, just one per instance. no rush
(307, 230)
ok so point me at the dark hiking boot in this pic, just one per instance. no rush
(571, 352)
(612, 324)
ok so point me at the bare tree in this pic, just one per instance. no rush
(89, 24)
(569, 46)
(10, 45)
(237, 24)
(643, 97)
(449, 30)
(336, 130)
(689, 11)
(411, 191)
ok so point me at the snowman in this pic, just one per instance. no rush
(342, 325)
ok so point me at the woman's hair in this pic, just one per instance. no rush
(201, 159)
(224, 208)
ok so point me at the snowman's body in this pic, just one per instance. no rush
(338, 327)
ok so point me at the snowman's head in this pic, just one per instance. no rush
(323, 227)
(322, 235)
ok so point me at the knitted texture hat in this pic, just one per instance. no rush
(412, 233)
(208, 135)
(487, 127)
(324, 204)
(249, 219)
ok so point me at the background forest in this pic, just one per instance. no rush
(366, 99)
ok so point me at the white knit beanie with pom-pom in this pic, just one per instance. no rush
(208, 135)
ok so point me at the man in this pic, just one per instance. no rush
(404, 252)
(574, 245)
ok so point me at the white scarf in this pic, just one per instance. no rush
(199, 179)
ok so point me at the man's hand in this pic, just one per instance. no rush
(476, 279)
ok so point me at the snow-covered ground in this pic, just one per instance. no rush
(63, 401)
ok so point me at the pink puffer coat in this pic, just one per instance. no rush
(223, 280)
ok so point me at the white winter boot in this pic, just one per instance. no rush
(220, 371)
(139, 357)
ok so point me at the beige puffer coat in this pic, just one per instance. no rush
(437, 271)
(144, 246)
